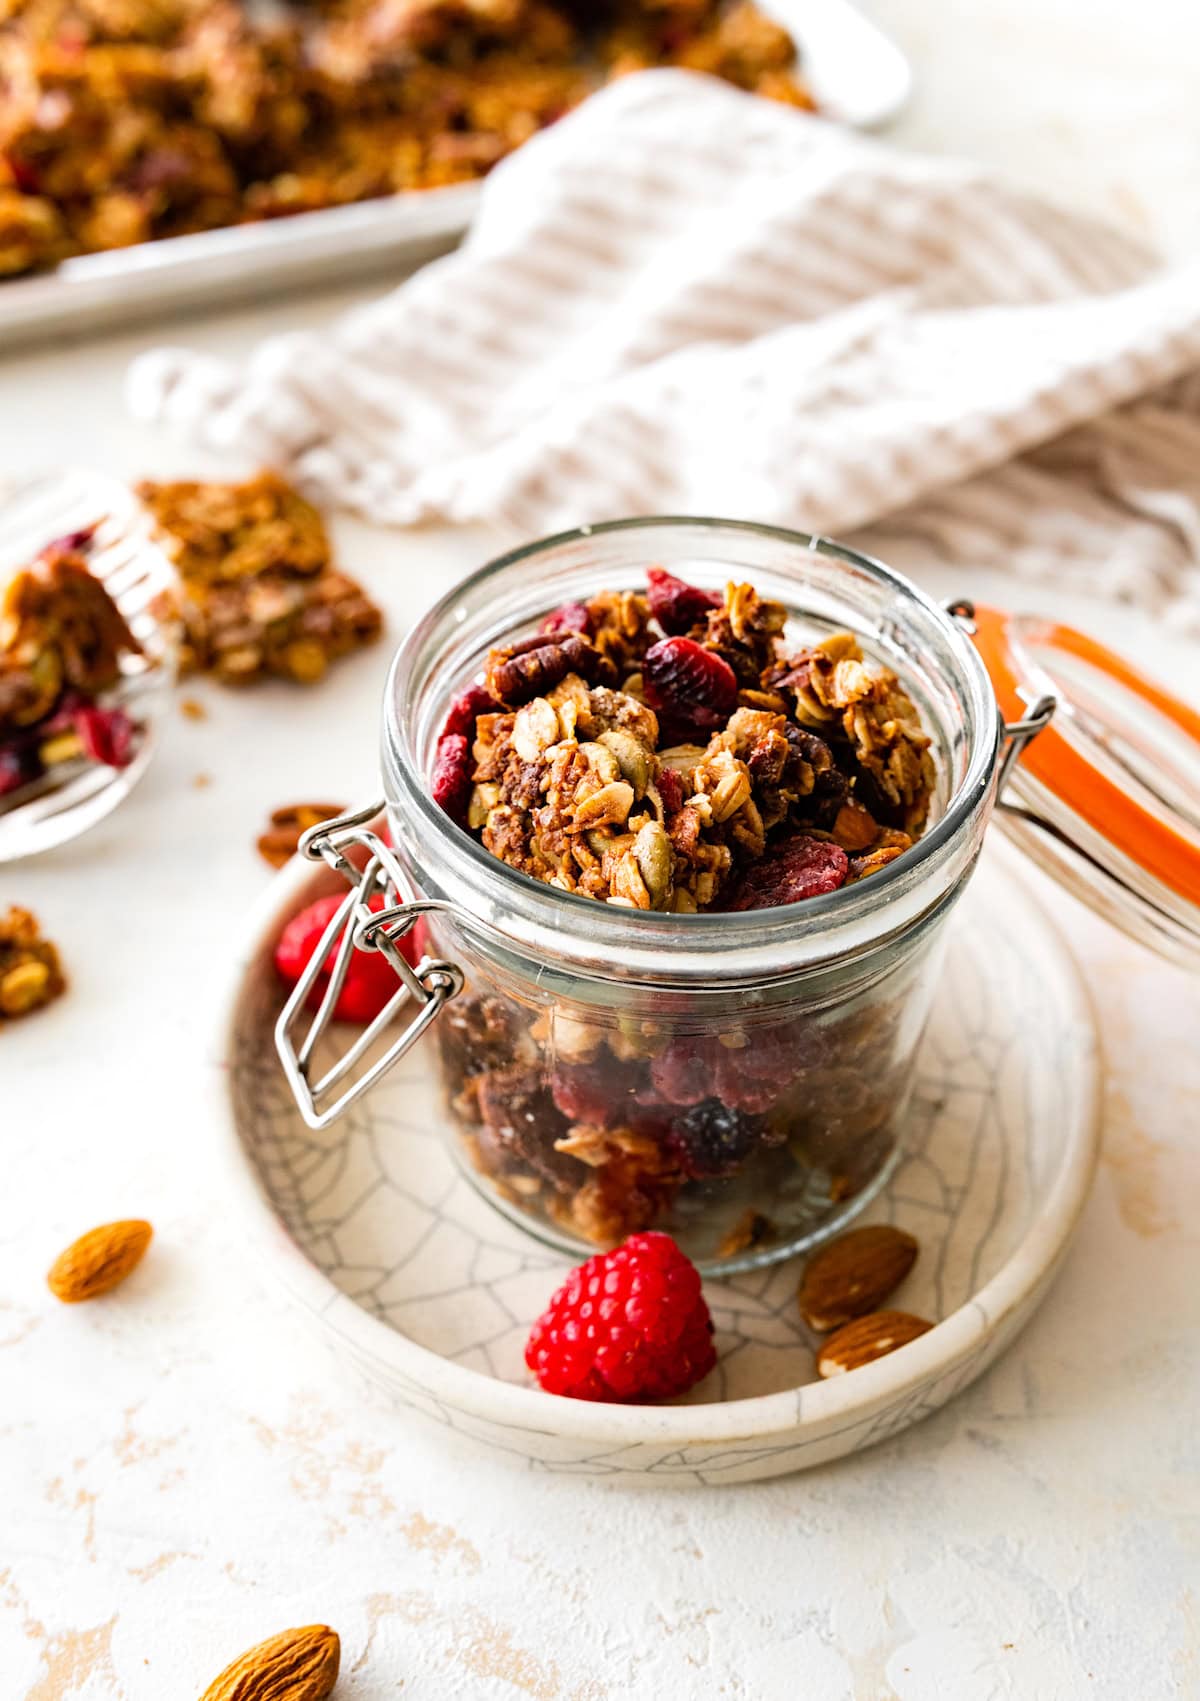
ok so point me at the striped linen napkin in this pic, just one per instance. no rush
(685, 299)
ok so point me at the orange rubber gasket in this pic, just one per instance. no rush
(1140, 835)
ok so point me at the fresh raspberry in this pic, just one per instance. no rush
(690, 683)
(712, 1140)
(627, 1325)
(571, 617)
(602, 1093)
(106, 735)
(370, 979)
(451, 782)
(466, 709)
(795, 868)
(682, 1071)
(676, 605)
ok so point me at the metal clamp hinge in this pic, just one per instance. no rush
(358, 927)
(1018, 733)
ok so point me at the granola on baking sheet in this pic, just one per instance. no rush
(258, 592)
(122, 121)
(663, 768)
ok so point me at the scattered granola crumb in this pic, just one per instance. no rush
(30, 972)
(192, 709)
(751, 1229)
(281, 840)
(202, 781)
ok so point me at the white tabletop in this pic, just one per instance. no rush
(182, 1469)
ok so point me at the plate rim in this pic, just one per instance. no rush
(811, 1407)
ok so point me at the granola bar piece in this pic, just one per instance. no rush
(258, 594)
(30, 972)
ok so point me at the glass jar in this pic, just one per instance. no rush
(740, 1080)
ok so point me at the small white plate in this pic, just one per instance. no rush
(430, 1293)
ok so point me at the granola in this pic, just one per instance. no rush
(128, 120)
(673, 752)
(281, 840)
(258, 592)
(63, 643)
(30, 972)
(579, 782)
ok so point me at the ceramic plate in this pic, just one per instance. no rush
(429, 1292)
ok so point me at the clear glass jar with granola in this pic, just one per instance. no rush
(686, 805)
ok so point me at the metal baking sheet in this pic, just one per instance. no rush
(857, 74)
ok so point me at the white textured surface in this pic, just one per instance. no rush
(180, 1472)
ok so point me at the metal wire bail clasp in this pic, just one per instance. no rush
(428, 985)
(1020, 732)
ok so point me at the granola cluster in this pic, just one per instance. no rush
(258, 592)
(122, 121)
(688, 770)
(30, 972)
(63, 643)
(667, 751)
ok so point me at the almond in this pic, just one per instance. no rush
(99, 1260)
(296, 1665)
(867, 1339)
(854, 1274)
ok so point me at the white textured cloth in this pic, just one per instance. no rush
(685, 299)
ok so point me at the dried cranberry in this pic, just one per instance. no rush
(71, 543)
(451, 784)
(571, 617)
(370, 979)
(678, 606)
(670, 789)
(106, 735)
(712, 1139)
(795, 868)
(19, 766)
(466, 709)
(689, 682)
(24, 174)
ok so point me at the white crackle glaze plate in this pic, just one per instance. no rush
(426, 1290)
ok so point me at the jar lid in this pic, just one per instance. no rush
(1107, 797)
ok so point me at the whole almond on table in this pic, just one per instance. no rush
(296, 1665)
(867, 1339)
(99, 1260)
(854, 1274)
